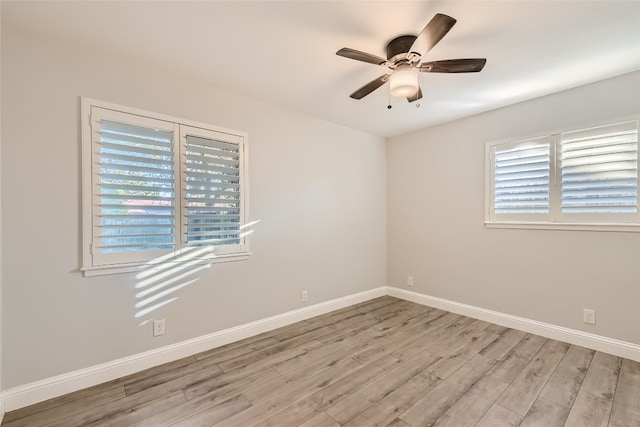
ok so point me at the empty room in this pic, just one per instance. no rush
(319, 213)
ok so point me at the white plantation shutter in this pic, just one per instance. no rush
(584, 179)
(600, 170)
(212, 189)
(521, 178)
(134, 188)
(156, 190)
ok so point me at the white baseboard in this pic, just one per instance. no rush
(1, 406)
(571, 336)
(38, 391)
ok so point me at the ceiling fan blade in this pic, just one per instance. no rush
(416, 96)
(432, 33)
(360, 56)
(370, 87)
(467, 65)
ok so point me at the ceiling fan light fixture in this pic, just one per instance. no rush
(403, 83)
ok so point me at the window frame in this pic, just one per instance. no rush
(136, 261)
(556, 219)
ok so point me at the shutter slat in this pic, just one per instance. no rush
(215, 169)
(603, 158)
(215, 233)
(128, 197)
(611, 183)
(131, 190)
(161, 144)
(522, 152)
(525, 167)
(194, 159)
(209, 144)
(212, 218)
(216, 211)
(141, 236)
(627, 175)
(521, 161)
(213, 187)
(203, 192)
(112, 248)
(231, 240)
(138, 206)
(600, 167)
(141, 169)
(156, 162)
(521, 189)
(628, 147)
(119, 219)
(126, 228)
(132, 182)
(597, 142)
(203, 176)
(124, 147)
(193, 205)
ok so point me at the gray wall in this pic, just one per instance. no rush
(318, 190)
(1, 260)
(435, 214)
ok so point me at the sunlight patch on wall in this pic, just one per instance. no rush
(160, 279)
(166, 275)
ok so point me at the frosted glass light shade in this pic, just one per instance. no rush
(404, 83)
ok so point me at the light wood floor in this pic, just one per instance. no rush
(382, 362)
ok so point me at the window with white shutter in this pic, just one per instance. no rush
(576, 179)
(155, 186)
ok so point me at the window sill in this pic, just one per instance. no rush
(139, 267)
(611, 227)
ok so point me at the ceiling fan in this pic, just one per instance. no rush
(404, 54)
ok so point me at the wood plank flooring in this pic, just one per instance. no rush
(385, 362)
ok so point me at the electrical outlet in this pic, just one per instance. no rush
(409, 280)
(304, 296)
(589, 316)
(158, 327)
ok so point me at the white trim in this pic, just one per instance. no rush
(38, 391)
(571, 336)
(613, 227)
(1, 406)
(136, 267)
(88, 102)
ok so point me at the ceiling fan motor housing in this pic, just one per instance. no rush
(399, 47)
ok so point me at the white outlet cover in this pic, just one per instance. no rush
(158, 327)
(589, 316)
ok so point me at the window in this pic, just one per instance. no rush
(155, 187)
(584, 179)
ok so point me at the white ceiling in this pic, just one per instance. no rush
(283, 52)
